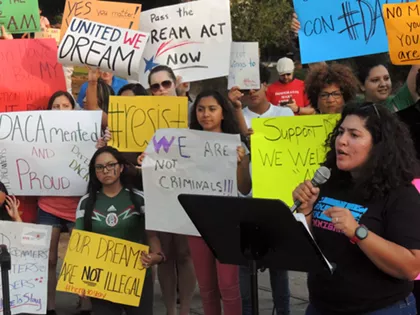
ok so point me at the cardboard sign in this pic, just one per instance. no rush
(104, 267)
(133, 120)
(30, 74)
(109, 48)
(341, 28)
(47, 153)
(20, 16)
(29, 248)
(186, 161)
(53, 33)
(403, 30)
(244, 70)
(286, 151)
(125, 15)
(192, 38)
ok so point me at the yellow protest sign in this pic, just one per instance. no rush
(104, 267)
(402, 22)
(50, 33)
(125, 15)
(286, 151)
(133, 120)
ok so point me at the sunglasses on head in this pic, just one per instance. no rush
(167, 84)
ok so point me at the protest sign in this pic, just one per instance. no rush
(186, 161)
(133, 120)
(47, 153)
(192, 38)
(244, 70)
(50, 33)
(109, 48)
(358, 27)
(285, 151)
(125, 15)
(103, 267)
(29, 247)
(403, 30)
(30, 74)
(20, 16)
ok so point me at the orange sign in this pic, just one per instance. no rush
(126, 15)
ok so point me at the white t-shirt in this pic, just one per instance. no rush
(273, 111)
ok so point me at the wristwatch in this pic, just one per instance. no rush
(360, 234)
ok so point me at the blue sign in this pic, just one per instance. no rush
(336, 29)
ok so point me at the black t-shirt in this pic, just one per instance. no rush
(411, 116)
(357, 285)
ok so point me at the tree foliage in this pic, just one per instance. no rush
(263, 21)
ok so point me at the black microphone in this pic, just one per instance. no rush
(321, 176)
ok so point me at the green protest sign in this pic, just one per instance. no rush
(20, 16)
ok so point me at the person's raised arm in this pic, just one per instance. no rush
(242, 173)
(92, 95)
(4, 34)
(234, 96)
(12, 207)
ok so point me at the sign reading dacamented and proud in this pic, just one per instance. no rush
(192, 38)
(107, 47)
(47, 153)
(103, 267)
(287, 151)
(186, 161)
(29, 247)
(133, 120)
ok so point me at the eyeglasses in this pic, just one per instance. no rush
(335, 94)
(109, 167)
(167, 84)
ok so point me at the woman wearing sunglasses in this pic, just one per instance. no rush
(178, 267)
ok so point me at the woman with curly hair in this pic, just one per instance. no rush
(365, 218)
(376, 83)
(329, 87)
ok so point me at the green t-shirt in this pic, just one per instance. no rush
(116, 216)
(399, 101)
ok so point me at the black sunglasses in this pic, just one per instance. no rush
(368, 105)
(167, 84)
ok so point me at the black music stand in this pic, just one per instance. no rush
(6, 265)
(259, 233)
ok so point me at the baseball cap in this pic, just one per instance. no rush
(285, 65)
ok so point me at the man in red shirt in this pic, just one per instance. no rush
(288, 91)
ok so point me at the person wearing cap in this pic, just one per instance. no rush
(288, 91)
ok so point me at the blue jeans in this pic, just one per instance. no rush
(406, 306)
(279, 280)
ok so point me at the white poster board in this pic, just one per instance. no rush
(47, 153)
(192, 38)
(107, 47)
(244, 70)
(186, 161)
(29, 246)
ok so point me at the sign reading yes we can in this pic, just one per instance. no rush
(103, 267)
(192, 38)
(133, 120)
(286, 151)
(109, 48)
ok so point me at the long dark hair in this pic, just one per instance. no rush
(94, 185)
(136, 88)
(104, 91)
(392, 161)
(58, 94)
(4, 215)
